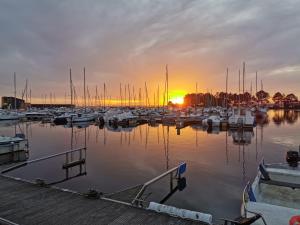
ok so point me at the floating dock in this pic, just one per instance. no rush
(26, 203)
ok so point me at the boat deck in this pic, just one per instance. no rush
(277, 195)
(26, 203)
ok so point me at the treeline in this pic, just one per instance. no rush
(223, 99)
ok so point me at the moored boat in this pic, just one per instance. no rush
(13, 144)
(212, 121)
(275, 192)
(241, 118)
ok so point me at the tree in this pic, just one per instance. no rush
(277, 97)
(262, 95)
(291, 98)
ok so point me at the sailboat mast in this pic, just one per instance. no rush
(133, 96)
(71, 87)
(121, 94)
(15, 90)
(167, 82)
(243, 77)
(140, 97)
(125, 95)
(158, 96)
(256, 83)
(226, 101)
(239, 88)
(26, 91)
(129, 94)
(196, 99)
(30, 96)
(104, 91)
(96, 96)
(146, 93)
(84, 96)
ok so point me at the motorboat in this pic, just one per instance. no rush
(38, 115)
(63, 119)
(127, 119)
(13, 144)
(212, 121)
(275, 193)
(82, 117)
(241, 118)
(9, 116)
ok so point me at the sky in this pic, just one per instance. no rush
(131, 41)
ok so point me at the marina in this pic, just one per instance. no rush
(149, 112)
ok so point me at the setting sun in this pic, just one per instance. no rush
(177, 100)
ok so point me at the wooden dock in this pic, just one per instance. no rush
(25, 203)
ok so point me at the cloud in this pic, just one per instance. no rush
(126, 41)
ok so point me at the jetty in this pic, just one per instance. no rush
(23, 202)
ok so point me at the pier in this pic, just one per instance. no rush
(22, 202)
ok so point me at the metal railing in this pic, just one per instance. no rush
(6, 222)
(137, 199)
(40, 159)
(245, 191)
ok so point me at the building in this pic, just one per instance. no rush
(9, 103)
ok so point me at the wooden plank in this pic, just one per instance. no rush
(26, 203)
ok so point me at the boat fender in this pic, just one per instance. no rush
(182, 213)
(295, 220)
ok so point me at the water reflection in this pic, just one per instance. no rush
(74, 166)
(241, 136)
(13, 157)
(285, 116)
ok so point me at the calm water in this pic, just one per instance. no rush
(218, 168)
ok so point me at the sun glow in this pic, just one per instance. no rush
(177, 100)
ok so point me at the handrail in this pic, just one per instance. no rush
(6, 222)
(245, 207)
(155, 179)
(40, 159)
(244, 198)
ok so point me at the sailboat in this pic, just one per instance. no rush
(6, 115)
(63, 119)
(241, 117)
(83, 117)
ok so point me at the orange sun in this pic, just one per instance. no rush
(177, 100)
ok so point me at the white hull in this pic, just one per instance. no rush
(81, 119)
(8, 145)
(277, 204)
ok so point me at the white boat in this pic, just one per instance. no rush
(12, 144)
(261, 112)
(212, 121)
(39, 115)
(275, 193)
(9, 116)
(63, 119)
(127, 118)
(241, 118)
(82, 117)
